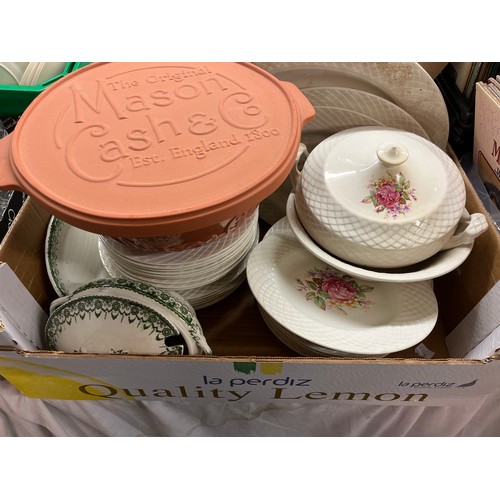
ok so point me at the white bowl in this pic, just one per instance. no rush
(123, 316)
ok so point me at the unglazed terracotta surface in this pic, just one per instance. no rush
(152, 149)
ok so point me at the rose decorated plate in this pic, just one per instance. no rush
(323, 307)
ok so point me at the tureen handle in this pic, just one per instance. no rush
(476, 224)
(392, 154)
(295, 172)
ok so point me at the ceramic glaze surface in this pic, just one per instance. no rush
(339, 109)
(371, 213)
(406, 85)
(73, 259)
(439, 264)
(110, 325)
(328, 308)
(114, 313)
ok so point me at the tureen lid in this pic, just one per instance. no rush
(385, 176)
(141, 149)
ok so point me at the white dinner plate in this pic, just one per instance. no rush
(405, 84)
(438, 265)
(331, 309)
(338, 109)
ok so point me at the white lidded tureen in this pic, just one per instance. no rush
(383, 198)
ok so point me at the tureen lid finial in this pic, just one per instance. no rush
(392, 154)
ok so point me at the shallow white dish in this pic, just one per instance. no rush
(438, 265)
(302, 346)
(169, 276)
(405, 84)
(333, 310)
(71, 257)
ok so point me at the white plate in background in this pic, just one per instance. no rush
(406, 84)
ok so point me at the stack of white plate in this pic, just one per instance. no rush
(317, 310)
(203, 275)
(198, 266)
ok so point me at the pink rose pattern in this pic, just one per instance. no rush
(327, 289)
(391, 195)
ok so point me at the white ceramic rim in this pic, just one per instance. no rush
(413, 322)
(439, 264)
(362, 105)
(406, 84)
(62, 270)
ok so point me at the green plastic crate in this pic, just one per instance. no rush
(14, 99)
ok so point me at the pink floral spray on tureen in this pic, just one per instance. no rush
(391, 195)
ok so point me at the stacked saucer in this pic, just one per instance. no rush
(317, 310)
(117, 316)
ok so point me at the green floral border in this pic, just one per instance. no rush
(118, 309)
(53, 242)
(160, 296)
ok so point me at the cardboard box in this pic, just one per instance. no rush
(486, 148)
(249, 363)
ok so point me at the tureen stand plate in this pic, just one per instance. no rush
(438, 265)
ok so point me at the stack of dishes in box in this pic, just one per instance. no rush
(202, 275)
(212, 270)
(317, 310)
(375, 215)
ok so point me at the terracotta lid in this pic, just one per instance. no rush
(145, 149)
